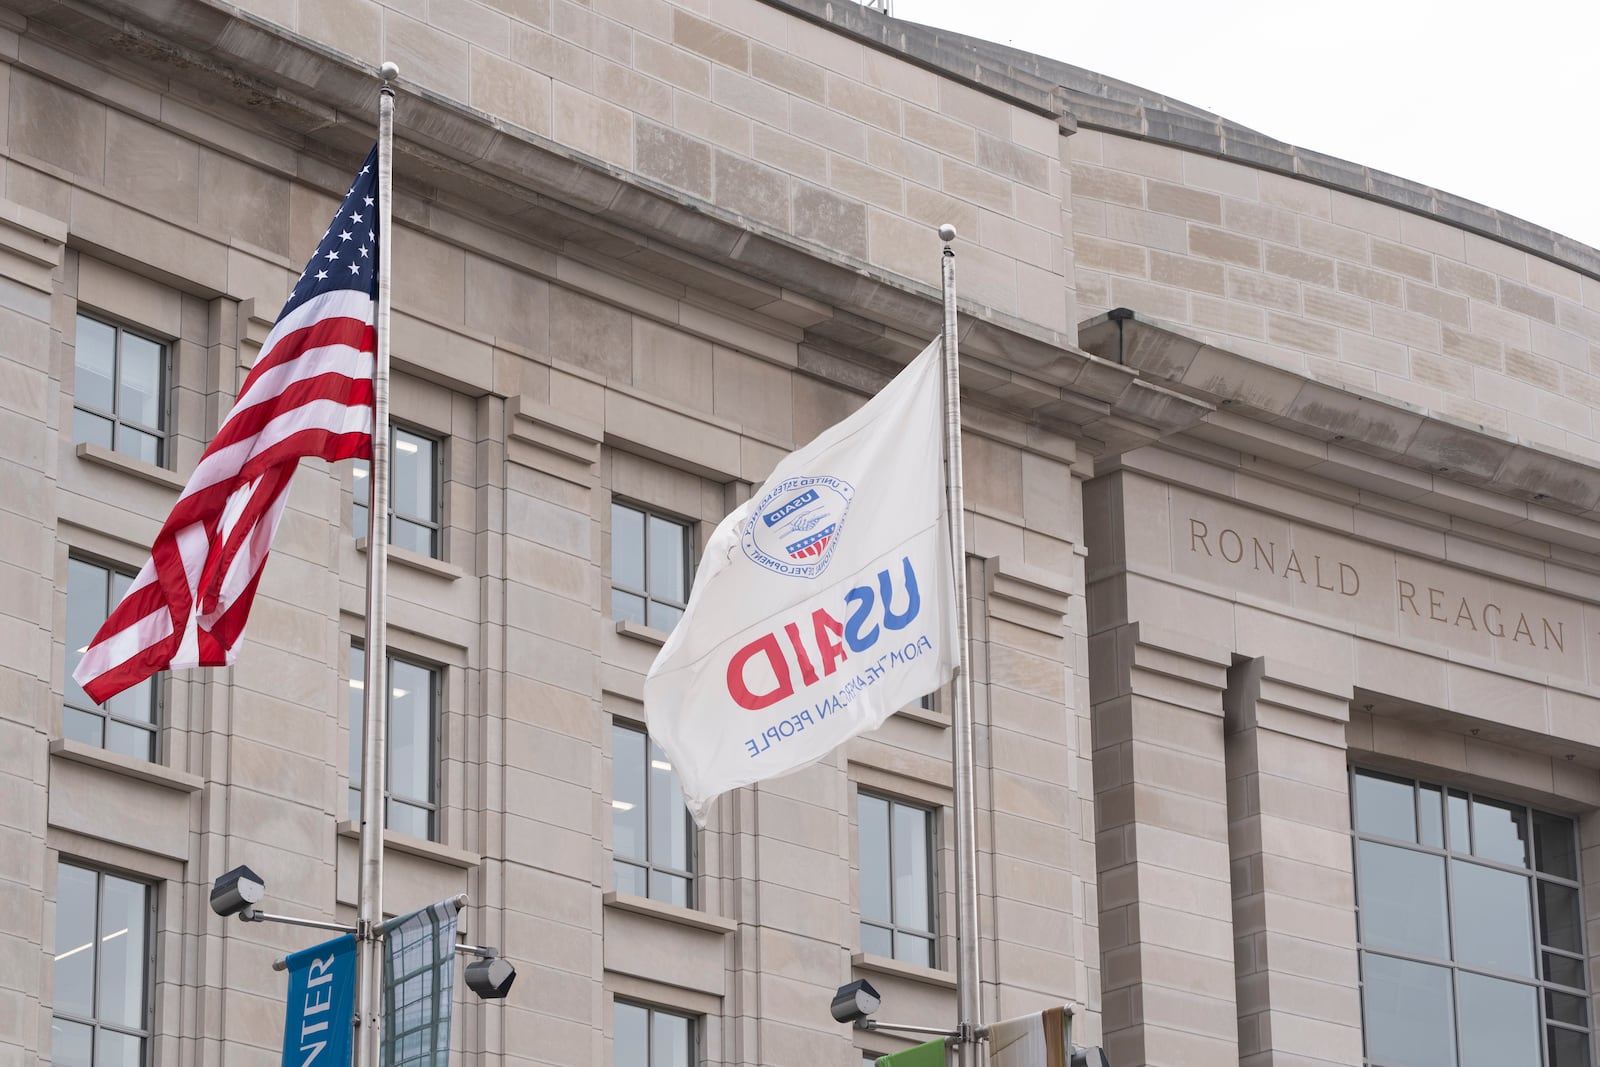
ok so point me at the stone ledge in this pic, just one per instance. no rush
(417, 561)
(672, 913)
(415, 846)
(104, 457)
(126, 766)
(639, 632)
(931, 976)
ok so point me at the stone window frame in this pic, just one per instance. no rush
(650, 867)
(649, 591)
(894, 927)
(1446, 850)
(161, 433)
(153, 935)
(448, 663)
(157, 689)
(696, 1021)
(934, 794)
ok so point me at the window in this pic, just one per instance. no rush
(119, 391)
(102, 970)
(1470, 930)
(650, 560)
(647, 1037)
(410, 799)
(897, 891)
(652, 837)
(127, 722)
(413, 493)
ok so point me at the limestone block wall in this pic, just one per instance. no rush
(1340, 288)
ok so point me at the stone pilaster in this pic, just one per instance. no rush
(1166, 921)
(1293, 890)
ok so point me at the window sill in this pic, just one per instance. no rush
(418, 562)
(416, 846)
(127, 766)
(913, 972)
(640, 632)
(669, 912)
(923, 715)
(128, 465)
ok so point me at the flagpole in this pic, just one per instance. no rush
(375, 715)
(969, 1010)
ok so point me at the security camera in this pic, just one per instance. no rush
(855, 1001)
(237, 891)
(491, 978)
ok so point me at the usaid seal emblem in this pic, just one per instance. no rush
(796, 526)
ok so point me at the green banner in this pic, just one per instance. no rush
(930, 1054)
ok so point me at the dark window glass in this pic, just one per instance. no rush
(1491, 929)
(895, 842)
(650, 561)
(415, 465)
(126, 723)
(119, 390)
(102, 971)
(652, 837)
(410, 802)
(648, 1037)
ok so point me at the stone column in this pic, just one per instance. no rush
(1293, 889)
(1166, 915)
(30, 255)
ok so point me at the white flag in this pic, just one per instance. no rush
(821, 606)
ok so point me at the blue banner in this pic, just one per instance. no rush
(320, 1020)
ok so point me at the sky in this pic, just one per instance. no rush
(1495, 102)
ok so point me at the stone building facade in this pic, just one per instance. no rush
(1281, 516)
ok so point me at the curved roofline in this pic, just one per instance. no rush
(1101, 103)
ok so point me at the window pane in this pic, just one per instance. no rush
(1560, 925)
(1568, 1048)
(1499, 1022)
(83, 726)
(1401, 894)
(1456, 810)
(627, 547)
(131, 741)
(1563, 970)
(910, 948)
(663, 616)
(410, 819)
(88, 589)
(669, 822)
(668, 559)
(628, 805)
(69, 1042)
(411, 731)
(118, 1050)
(361, 496)
(403, 533)
(1407, 1011)
(1430, 815)
(911, 875)
(1493, 918)
(76, 904)
(94, 360)
(91, 429)
(1499, 831)
(122, 952)
(630, 1035)
(626, 607)
(139, 386)
(630, 879)
(877, 941)
(872, 818)
(1554, 845)
(670, 888)
(141, 446)
(1385, 806)
(671, 1034)
(1566, 1008)
(413, 476)
(356, 716)
(137, 703)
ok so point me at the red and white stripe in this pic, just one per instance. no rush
(309, 394)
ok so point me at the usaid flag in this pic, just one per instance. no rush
(317, 1027)
(822, 604)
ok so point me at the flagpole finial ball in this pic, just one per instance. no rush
(947, 233)
(389, 72)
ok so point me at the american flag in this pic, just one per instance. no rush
(309, 394)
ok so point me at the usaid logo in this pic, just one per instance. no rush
(796, 526)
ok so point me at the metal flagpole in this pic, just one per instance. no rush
(969, 1011)
(374, 749)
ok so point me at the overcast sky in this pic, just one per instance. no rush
(1495, 102)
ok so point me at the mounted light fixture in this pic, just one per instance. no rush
(491, 976)
(1093, 1056)
(855, 1001)
(237, 891)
